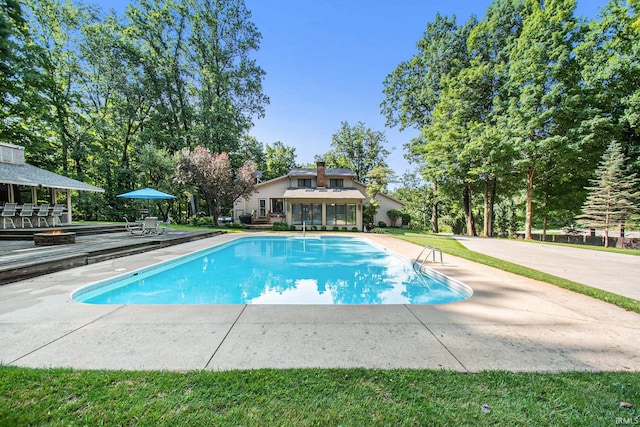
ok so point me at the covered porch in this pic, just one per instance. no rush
(31, 197)
(324, 207)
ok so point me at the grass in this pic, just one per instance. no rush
(350, 397)
(451, 246)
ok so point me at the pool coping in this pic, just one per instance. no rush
(510, 323)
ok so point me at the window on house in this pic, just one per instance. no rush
(310, 213)
(341, 214)
(336, 183)
(277, 206)
(304, 182)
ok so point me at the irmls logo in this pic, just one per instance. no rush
(628, 421)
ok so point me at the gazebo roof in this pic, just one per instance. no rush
(31, 176)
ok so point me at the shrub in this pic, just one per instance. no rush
(393, 215)
(323, 228)
(314, 227)
(280, 226)
(292, 227)
(354, 229)
(406, 219)
(335, 228)
(382, 224)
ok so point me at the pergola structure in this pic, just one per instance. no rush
(21, 182)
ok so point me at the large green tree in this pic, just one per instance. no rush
(279, 160)
(358, 148)
(543, 94)
(613, 196)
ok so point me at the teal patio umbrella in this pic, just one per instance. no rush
(146, 194)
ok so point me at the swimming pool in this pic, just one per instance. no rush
(280, 270)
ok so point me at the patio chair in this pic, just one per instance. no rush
(8, 213)
(150, 225)
(132, 227)
(56, 213)
(25, 214)
(43, 213)
(163, 227)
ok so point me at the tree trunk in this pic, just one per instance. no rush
(489, 202)
(434, 210)
(546, 217)
(529, 211)
(434, 218)
(468, 212)
(485, 195)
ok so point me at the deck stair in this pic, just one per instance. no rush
(35, 261)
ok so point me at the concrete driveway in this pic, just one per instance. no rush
(510, 323)
(617, 273)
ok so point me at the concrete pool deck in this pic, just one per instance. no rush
(510, 323)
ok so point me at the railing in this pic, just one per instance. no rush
(432, 252)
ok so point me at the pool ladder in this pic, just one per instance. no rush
(418, 263)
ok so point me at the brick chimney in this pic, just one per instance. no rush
(320, 178)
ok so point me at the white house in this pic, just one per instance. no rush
(321, 196)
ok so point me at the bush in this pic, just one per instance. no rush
(314, 227)
(280, 226)
(335, 228)
(406, 219)
(393, 215)
(236, 225)
(382, 224)
(292, 227)
(323, 228)
(345, 229)
(354, 229)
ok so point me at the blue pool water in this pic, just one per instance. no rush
(280, 270)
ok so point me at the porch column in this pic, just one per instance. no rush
(68, 207)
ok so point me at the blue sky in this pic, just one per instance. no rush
(326, 61)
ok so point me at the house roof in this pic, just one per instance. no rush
(314, 172)
(31, 176)
(327, 193)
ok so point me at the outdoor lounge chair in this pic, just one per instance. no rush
(132, 227)
(43, 213)
(163, 227)
(56, 213)
(8, 213)
(25, 214)
(150, 225)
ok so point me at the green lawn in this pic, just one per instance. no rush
(451, 246)
(314, 397)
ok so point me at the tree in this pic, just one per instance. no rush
(377, 180)
(613, 196)
(279, 160)
(543, 83)
(213, 176)
(357, 148)
(610, 64)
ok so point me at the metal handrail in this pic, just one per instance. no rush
(432, 252)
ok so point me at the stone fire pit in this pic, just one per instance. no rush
(54, 238)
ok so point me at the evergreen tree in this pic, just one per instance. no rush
(613, 197)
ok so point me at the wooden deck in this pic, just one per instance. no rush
(21, 259)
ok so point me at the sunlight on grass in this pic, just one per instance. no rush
(350, 397)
